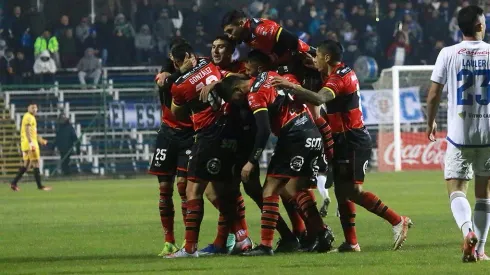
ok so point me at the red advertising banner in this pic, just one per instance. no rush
(418, 153)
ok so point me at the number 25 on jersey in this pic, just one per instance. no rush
(478, 78)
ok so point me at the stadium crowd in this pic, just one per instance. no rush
(399, 32)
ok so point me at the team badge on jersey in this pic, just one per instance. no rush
(296, 163)
(214, 166)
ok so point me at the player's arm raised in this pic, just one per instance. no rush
(323, 96)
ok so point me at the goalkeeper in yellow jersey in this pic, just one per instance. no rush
(29, 143)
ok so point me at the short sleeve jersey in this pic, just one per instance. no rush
(186, 91)
(28, 119)
(281, 106)
(344, 111)
(465, 70)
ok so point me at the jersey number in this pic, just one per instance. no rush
(210, 79)
(161, 155)
(468, 79)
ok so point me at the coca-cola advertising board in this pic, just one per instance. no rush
(418, 153)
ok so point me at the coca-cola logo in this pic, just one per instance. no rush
(473, 52)
(431, 153)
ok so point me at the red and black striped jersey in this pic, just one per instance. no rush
(169, 119)
(187, 88)
(281, 105)
(344, 111)
(264, 36)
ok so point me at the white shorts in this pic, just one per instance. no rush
(462, 163)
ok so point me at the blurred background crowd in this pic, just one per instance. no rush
(59, 34)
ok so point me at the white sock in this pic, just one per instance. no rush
(481, 221)
(320, 184)
(461, 211)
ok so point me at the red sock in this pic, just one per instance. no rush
(240, 226)
(308, 207)
(326, 133)
(193, 219)
(347, 210)
(223, 229)
(167, 213)
(374, 205)
(181, 186)
(295, 217)
(268, 221)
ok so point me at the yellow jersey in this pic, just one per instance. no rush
(28, 119)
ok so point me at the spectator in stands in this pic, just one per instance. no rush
(65, 139)
(93, 42)
(192, 16)
(26, 44)
(360, 20)
(121, 46)
(3, 46)
(47, 42)
(436, 28)
(321, 35)
(269, 12)
(144, 45)
(104, 30)
(163, 31)
(348, 34)
(175, 14)
(315, 24)
(415, 33)
(120, 24)
(200, 41)
(63, 25)
(45, 68)
(387, 27)
(370, 44)
(68, 49)
(82, 31)
(18, 26)
(4, 27)
(456, 34)
(399, 50)
(336, 23)
(444, 11)
(89, 66)
(289, 13)
(144, 14)
(36, 22)
(22, 69)
(431, 60)
(7, 73)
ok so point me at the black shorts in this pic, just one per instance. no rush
(172, 150)
(349, 164)
(213, 153)
(297, 152)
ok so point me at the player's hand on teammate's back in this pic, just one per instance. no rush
(431, 132)
(203, 96)
(246, 170)
(278, 81)
(160, 78)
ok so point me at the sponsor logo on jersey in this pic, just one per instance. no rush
(472, 52)
(315, 143)
(297, 163)
(213, 166)
(465, 115)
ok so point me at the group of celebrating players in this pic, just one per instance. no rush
(217, 115)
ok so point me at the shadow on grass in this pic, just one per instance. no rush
(21, 260)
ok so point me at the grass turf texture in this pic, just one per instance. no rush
(113, 227)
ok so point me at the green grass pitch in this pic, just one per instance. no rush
(113, 227)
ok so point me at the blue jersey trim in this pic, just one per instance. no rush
(467, 146)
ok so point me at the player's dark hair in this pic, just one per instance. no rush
(176, 40)
(228, 40)
(232, 18)
(467, 18)
(226, 87)
(259, 57)
(179, 51)
(333, 48)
